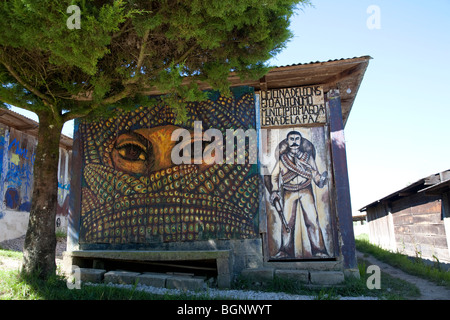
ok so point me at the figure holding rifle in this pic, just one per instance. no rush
(293, 198)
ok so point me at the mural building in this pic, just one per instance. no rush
(132, 192)
(252, 180)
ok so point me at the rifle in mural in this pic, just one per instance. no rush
(276, 203)
(279, 209)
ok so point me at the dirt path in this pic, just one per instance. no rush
(428, 290)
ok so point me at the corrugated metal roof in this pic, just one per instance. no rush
(321, 62)
(27, 125)
(428, 184)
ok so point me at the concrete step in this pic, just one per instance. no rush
(152, 279)
(326, 277)
(121, 277)
(301, 276)
(323, 278)
(185, 283)
(182, 281)
(91, 275)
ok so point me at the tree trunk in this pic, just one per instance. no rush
(40, 240)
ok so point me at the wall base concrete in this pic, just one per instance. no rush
(61, 223)
(231, 256)
(196, 283)
(231, 259)
(324, 278)
(95, 258)
(170, 281)
(13, 224)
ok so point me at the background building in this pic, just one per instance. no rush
(18, 141)
(414, 220)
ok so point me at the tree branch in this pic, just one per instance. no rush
(140, 60)
(142, 52)
(15, 102)
(118, 96)
(74, 115)
(110, 100)
(186, 54)
(30, 88)
(123, 29)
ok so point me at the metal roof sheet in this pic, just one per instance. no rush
(27, 125)
(431, 185)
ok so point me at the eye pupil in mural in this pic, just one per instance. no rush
(177, 202)
(133, 153)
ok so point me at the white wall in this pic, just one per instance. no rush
(13, 224)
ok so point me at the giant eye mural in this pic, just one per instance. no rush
(132, 192)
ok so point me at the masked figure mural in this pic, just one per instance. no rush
(132, 192)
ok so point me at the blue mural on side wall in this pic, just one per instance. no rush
(2, 142)
(17, 156)
(18, 180)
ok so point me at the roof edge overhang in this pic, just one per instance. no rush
(433, 185)
(21, 123)
(343, 74)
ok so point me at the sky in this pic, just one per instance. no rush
(398, 131)
(399, 128)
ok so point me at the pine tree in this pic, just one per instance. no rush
(81, 59)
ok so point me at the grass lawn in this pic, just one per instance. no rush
(414, 266)
(13, 286)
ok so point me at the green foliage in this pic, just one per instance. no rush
(391, 288)
(17, 286)
(128, 48)
(102, 85)
(10, 253)
(41, 26)
(124, 51)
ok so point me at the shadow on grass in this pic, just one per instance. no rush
(15, 285)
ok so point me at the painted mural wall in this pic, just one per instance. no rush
(132, 190)
(17, 155)
(17, 151)
(297, 174)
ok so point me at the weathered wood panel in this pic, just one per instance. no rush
(427, 218)
(381, 230)
(403, 218)
(419, 227)
(342, 187)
